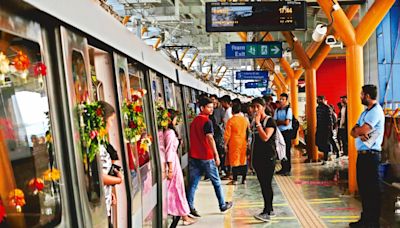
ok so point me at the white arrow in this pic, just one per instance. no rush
(276, 50)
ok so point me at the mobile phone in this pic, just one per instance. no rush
(114, 166)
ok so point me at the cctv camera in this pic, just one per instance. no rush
(330, 40)
(319, 32)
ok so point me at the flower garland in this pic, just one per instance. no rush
(92, 129)
(36, 185)
(52, 174)
(16, 198)
(163, 116)
(191, 113)
(133, 116)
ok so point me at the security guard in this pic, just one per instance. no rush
(368, 133)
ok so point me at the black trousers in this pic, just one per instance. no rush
(239, 170)
(287, 164)
(368, 187)
(265, 170)
(342, 138)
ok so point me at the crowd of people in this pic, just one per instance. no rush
(227, 138)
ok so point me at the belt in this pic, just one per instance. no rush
(368, 152)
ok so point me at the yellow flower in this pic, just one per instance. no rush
(103, 132)
(49, 174)
(164, 123)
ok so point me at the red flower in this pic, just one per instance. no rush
(99, 112)
(135, 97)
(2, 211)
(40, 69)
(132, 124)
(21, 61)
(36, 185)
(93, 134)
(169, 114)
(138, 109)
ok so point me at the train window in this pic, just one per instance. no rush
(90, 166)
(30, 176)
(181, 123)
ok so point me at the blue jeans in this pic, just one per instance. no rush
(196, 170)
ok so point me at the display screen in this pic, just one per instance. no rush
(256, 16)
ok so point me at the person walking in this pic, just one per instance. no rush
(203, 156)
(324, 127)
(283, 117)
(368, 134)
(342, 130)
(177, 202)
(235, 139)
(264, 155)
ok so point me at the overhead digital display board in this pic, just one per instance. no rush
(256, 16)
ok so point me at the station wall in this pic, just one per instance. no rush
(331, 80)
(388, 44)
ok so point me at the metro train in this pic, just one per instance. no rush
(55, 56)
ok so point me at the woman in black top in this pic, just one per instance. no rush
(264, 155)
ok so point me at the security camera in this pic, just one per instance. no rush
(319, 32)
(330, 40)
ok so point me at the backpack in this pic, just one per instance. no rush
(280, 144)
(295, 124)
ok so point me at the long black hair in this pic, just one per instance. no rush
(172, 114)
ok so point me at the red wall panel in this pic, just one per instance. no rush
(331, 80)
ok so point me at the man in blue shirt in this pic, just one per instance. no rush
(368, 133)
(283, 117)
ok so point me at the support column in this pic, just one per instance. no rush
(294, 101)
(311, 113)
(355, 80)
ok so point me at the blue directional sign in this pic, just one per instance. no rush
(268, 91)
(253, 50)
(252, 75)
(252, 85)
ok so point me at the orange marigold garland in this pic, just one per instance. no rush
(21, 61)
(16, 198)
(51, 174)
(36, 185)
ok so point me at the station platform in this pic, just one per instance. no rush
(314, 195)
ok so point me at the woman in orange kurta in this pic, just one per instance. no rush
(235, 138)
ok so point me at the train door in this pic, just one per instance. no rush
(103, 87)
(32, 181)
(85, 164)
(181, 127)
(132, 169)
(149, 161)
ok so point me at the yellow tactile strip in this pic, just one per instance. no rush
(306, 215)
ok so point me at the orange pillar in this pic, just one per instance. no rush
(355, 80)
(294, 101)
(311, 94)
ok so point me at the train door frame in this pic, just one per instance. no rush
(160, 221)
(70, 42)
(17, 23)
(135, 202)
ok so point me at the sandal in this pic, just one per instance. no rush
(188, 222)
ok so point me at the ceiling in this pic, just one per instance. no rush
(182, 23)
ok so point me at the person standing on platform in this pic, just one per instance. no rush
(342, 131)
(324, 127)
(177, 202)
(226, 103)
(264, 155)
(368, 133)
(203, 156)
(235, 138)
(269, 109)
(217, 120)
(283, 117)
